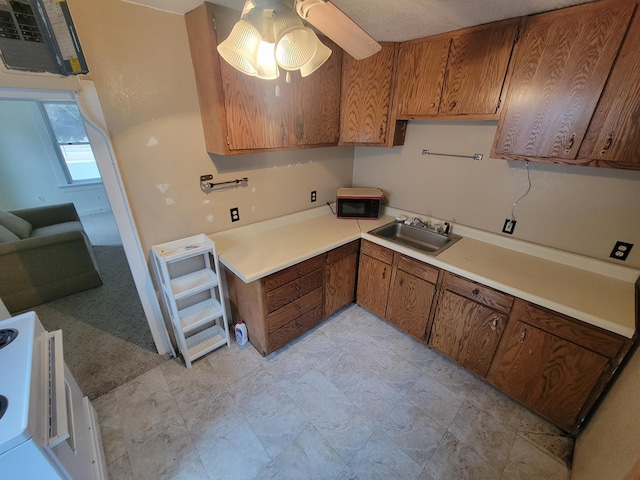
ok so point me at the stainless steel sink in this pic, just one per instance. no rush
(418, 238)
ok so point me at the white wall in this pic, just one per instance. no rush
(578, 209)
(27, 159)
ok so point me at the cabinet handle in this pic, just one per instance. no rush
(572, 140)
(453, 104)
(298, 307)
(298, 325)
(523, 335)
(475, 292)
(297, 288)
(432, 105)
(401, 280)
(494, 324)
(608, 143)
(298, 271)
(384, 273)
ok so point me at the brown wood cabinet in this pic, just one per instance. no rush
(413, 288)
(454, 74)
(555, 365)
(374, 277)
(365, 112)
(613, 137)
(560, 66)
(242, 114)
(341, 266)
(280, 307)
(469, 322)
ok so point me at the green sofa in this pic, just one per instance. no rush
(44, 254)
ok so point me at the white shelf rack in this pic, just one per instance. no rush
(190, 281)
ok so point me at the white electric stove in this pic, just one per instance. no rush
(48, 429)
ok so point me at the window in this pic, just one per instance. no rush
(70, 137)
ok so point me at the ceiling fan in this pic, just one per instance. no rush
(271, 34)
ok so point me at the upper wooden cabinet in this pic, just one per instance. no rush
(613, 137)
(454, 74)
(560, 67)
(243, 114)
(366, 100)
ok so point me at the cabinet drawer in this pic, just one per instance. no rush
(478, 293)
(288, 293)
(295, 328)
(294, 309)
(296, 271)
(604, 343)
(376, 251)
(343, 251)
(418, 269)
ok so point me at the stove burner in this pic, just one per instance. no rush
(7, 335)
(4, 403)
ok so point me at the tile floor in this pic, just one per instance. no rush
(352, 399)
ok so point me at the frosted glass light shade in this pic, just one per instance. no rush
(240, 49)
(267, 67)
(322, 55)
(295, 43)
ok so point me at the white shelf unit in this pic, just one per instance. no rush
(190, 282)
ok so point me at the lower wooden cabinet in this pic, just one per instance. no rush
(374, 277)
(555, 365)
(341, 265)
(469, 323)
(412, 291)
(282, 306)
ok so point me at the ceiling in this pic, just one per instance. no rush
(399, 20)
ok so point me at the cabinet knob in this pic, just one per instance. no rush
(523, 335)
(298, 325)
(298, 271)
(494, 324)
(298, 307)
(432, 105)
(608, 143)
(475, 292)
(401, 280)
(384, 273)
(297, 288)
(572, 140)
(453, 104)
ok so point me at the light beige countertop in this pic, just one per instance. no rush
(594, 291)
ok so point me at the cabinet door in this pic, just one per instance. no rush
(613, 138)
(340, 283)
(256, 118)
(317, 102)
(477, 68)
(551, 375)
(467, 332)
(420, 76)
(561, 64)
(410, 303)
(374, 278)
(366, 97)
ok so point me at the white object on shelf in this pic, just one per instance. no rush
(190, 280)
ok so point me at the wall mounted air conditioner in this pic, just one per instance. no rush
(39, 36)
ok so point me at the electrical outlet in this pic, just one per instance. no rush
(235, 214)
(621, 250)
(314, 196)
(41, 198)
(509, 226)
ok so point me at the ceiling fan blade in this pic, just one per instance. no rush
(336, 25)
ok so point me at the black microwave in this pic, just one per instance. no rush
(359, 202)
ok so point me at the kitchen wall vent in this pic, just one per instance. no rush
(39, 36)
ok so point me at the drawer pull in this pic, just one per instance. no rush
(453, 104)
(297, 288)
(401, 280)
(608, 143)
(298, 271)
(298, 325)
(384, 273)
(298, 307)
(523, 335)
(572, 140)
(494, 324)
(475, 292)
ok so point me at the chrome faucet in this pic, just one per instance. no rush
(416, 222)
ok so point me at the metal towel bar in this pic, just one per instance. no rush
(475, 156)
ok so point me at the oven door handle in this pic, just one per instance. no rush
(58, 413)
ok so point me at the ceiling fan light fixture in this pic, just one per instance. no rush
(322, 55)
(240, 48)
(267, 68)
(295, 44)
